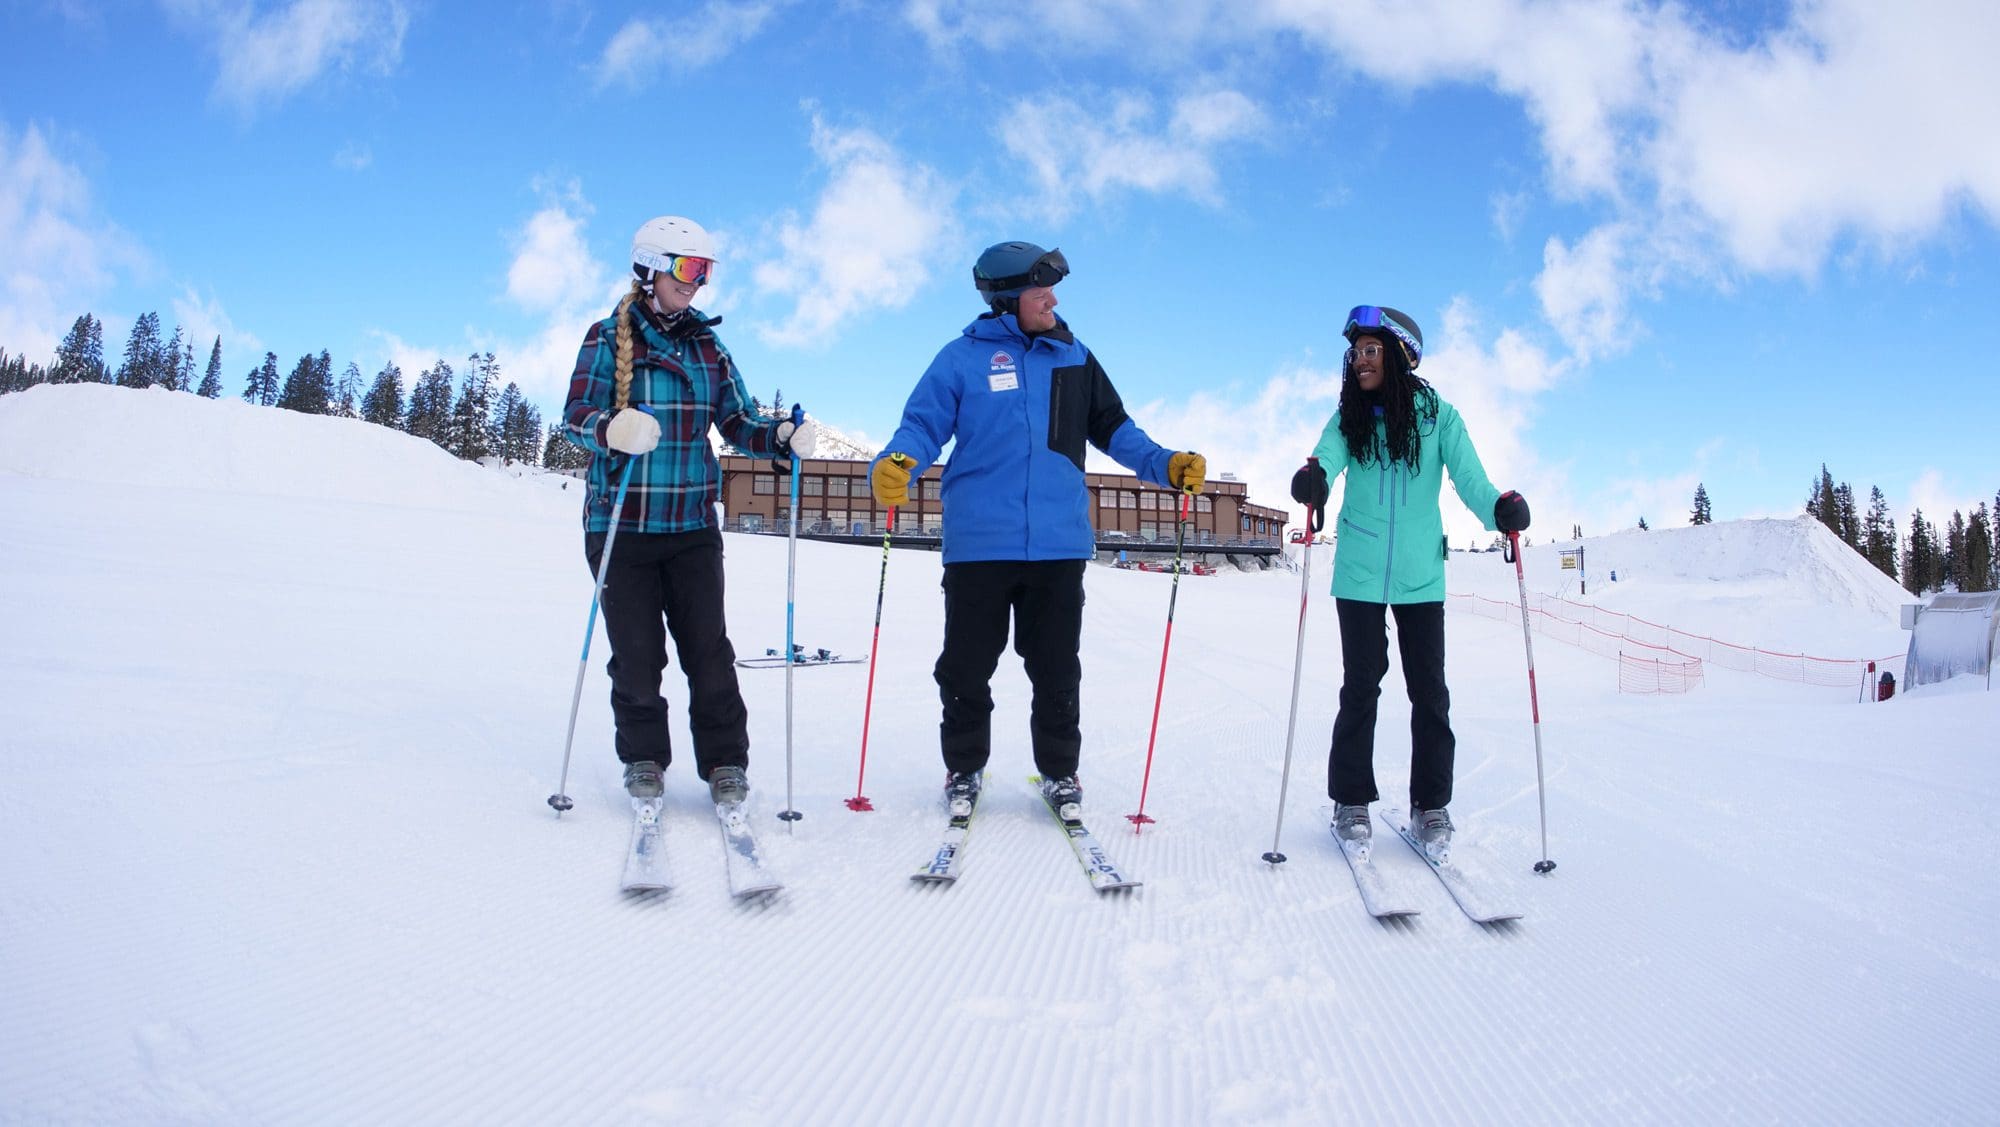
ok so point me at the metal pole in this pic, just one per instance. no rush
(1140, 819)
(1534, 703)
(1315, 520)
(790, 815)
(859, 802)
(560, 799)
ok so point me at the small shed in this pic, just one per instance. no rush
(1953, 634)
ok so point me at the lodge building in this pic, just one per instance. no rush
(835, 502)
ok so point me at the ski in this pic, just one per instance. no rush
(775, 659)
(1455, 878)
(646, 859)
(1376, 895)
(748, 875)
(942, 868)
(1097, 864)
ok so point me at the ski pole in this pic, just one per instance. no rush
(560, 799)
(1140, 819)
(789, 814)
(859, 802)
(1534, 703)
(1315, 521)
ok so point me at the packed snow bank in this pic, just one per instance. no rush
(117, 435)
(1788, 586)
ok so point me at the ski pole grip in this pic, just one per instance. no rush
(1512, 552)
(1315, 514)
(798, 415)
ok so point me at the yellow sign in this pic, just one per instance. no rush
(1569, 563)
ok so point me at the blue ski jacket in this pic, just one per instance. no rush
(1020, 411)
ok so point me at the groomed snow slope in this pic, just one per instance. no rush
(284, 698)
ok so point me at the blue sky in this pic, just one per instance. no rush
(1648, 245)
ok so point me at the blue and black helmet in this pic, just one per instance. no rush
(1005, 269)
(1396, 325)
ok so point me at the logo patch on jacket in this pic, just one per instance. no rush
(1002, 377)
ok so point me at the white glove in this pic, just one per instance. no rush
(799, 441)
(632, 431)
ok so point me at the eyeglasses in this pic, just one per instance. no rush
(1369, 351)
(686, 269)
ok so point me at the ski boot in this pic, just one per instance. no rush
(642, 779)
(961, 791)
(728, 786)
(1065, 796)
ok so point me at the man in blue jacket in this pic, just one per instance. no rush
(1021, 395)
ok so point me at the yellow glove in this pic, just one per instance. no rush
(891, 480)
(1187, 470)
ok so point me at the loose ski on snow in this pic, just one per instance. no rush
(1097, 864)
(775, 659)
(943, 865)
(646, 859)
(1456, 881)
(1381, 901)
(748, 875)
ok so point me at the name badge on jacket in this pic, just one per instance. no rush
(1001, 376)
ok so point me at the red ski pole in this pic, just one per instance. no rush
(1140, 819)
(858, 802)
(1534, 703)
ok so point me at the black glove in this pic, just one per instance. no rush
(1309, 487)
(1510, 512)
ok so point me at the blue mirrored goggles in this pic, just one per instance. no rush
(1371, 319)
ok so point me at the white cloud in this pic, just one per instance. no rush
(205, 320)
(1583, 290)
(353, 157)
(872, 240)
(555, 278)
(644, 48)
(60, 255)
(267, 57)
(1076, 150)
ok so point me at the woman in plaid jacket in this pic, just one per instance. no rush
(650, 381)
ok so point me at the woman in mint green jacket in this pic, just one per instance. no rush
(1396, 439)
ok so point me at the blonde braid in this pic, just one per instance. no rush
(624, 375)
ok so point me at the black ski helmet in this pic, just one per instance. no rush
(1380, 320)
(1005, 269)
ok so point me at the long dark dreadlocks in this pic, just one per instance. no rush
(1404, 399)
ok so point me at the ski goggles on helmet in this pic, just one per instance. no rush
(686, 269)
(1374, 319)
(1044, 271)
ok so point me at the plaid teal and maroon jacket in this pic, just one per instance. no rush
(691, 384)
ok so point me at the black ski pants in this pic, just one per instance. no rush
(1044, 599)
(1364, 651)
(660, 583)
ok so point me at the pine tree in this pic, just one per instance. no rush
(306, 388)
(518, 426)
(471, 431)
(1576, 532)
(167, 366)
(348, 391)
(211, 381)
(262, 388)
(383, 405)
(1701, 513)
(1954, 550)
(1847, 521)
(80, 356)
(1878, 534)
(142, 353)
(1978, 568)
(1916, 555)
(1643, 526)
(430, 404)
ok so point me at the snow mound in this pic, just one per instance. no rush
(103, 433)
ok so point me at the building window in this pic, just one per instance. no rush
(1149, 501)
(1246, 522)
(1203, 504)
(1148, 530)
(763, 484)
(1205, 536)
(812, 485)
(751, 522)
(836, 485)
(1127, 499)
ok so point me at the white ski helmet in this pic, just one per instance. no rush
(660, 240)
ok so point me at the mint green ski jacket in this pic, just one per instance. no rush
(1389, 544)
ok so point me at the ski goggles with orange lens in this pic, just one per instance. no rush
(683, 268)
